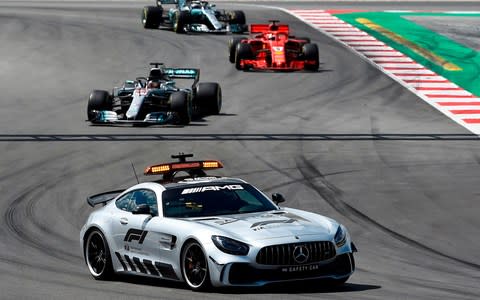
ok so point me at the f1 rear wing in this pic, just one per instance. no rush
(168, 1)
(265, 28)
(103, 198)
(183, 73)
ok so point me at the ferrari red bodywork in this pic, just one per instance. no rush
(271, 47)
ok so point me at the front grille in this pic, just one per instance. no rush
(242, 273)
(284, 254)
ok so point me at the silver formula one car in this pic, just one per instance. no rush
(210, 231)
(156, 99)
(193, 16)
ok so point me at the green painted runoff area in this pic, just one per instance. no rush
(467, 59)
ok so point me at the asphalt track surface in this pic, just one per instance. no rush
(347, 142)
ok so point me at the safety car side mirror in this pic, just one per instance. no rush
(142, 209)
(278, 198)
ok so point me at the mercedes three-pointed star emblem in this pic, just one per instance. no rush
(300, 254)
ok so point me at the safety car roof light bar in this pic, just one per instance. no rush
(193, 168)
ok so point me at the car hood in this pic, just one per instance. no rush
(251, 227)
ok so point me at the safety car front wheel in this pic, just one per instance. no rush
(97, 256)
(195, 267)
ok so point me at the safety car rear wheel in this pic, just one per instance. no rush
(243, 51)
(97, 256)
(152, 17)
(98, 100)
(232, 47)
(181, 19)
(209, 97)
(195, 267)
(181, 104)
(310, 54)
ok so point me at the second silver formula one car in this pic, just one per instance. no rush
(193, 16)
(210, 231)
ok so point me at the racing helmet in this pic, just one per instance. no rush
(196, 4)
(155, 74)
(153, 84)
(270, 36)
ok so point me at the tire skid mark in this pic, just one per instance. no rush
(333, 196)
(22, 208)
(30, 264)
(63, 283)
(16, 212)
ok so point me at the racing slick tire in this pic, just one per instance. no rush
(180, 103)
(195, 267)
(232, 47)
(152, 17)
(181, 19)
(236, 17)
(208, 97)
(243, 51)
(310, 53)
(98, 100)
(97, 255)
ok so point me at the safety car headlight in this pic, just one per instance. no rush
(230, 246)
(340, 236)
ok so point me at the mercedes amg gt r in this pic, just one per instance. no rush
(210, 231)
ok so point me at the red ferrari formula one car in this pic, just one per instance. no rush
(271, 47)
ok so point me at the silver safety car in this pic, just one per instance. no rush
(210, 232)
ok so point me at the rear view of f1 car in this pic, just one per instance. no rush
(271, 47)
(156, 99)
(193, 16)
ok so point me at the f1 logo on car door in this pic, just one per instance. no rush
(135, 235)
(129, 227)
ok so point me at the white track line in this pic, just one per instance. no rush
(453, 101)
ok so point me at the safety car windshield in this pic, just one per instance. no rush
(213, 200)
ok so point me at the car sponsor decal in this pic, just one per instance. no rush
(146, 266)
(212, 188)
(140, 266)
(263, 223)
(181, 72)
(277, 49)
(289, 219)
(135, 235)
(225, 221)
(130, 263)
(151, 267)
(301, 268)
(124, 266)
